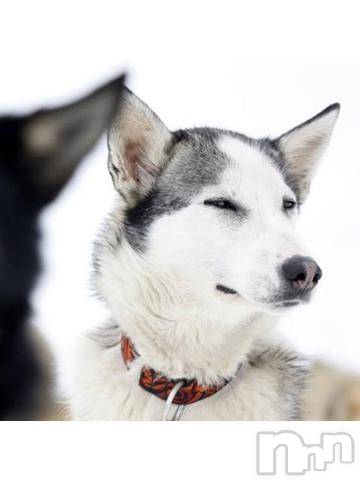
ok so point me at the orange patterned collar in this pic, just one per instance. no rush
(161, 386)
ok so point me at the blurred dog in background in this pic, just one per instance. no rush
(332, 394)
(38, 155)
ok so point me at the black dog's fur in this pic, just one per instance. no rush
(38, 155)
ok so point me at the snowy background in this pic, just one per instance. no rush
(194, 67)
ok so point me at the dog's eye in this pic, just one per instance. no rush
(221, 203)
(288, 204)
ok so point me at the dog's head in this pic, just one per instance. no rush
(215, 210)
(38, 155)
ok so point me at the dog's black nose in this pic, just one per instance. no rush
(302, 272)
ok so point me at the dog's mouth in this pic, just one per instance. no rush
(278, 304)
(293, 301)
(289, 303)
(226, 290)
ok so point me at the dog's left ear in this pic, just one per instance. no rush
(303, 146)
(56, 140)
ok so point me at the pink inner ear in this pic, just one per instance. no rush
(132, 160)
(136, 162)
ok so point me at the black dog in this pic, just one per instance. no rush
(38, 155)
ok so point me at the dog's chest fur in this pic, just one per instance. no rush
(268, 387)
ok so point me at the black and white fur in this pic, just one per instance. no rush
(189, 265)
(38, 155)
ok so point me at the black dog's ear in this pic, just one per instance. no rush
(55, 140)
(138, 142)
(303, 146)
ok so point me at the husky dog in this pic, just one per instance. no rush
(196, 262)
(38, 155)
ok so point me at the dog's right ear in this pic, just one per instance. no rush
(137, 141)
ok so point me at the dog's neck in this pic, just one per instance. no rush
(172, 331)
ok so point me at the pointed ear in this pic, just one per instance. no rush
(138, 142)
(56, 140)
(303, 146)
